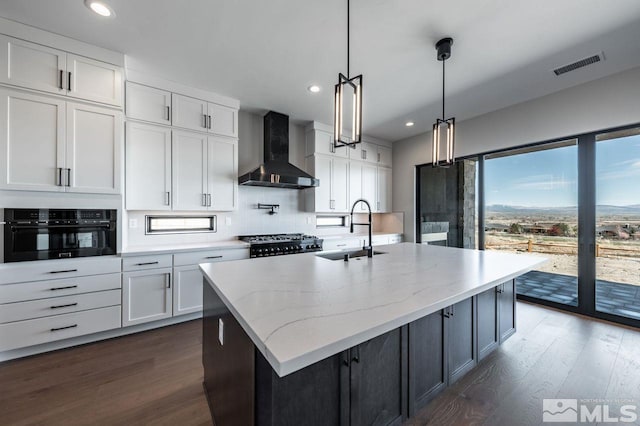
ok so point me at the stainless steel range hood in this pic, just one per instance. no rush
(276, 171)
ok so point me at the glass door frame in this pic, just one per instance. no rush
(586, 220)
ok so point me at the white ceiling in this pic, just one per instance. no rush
(267, 52)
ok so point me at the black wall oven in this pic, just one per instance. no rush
(38, 234)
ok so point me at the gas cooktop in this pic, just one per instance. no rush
(279, 244)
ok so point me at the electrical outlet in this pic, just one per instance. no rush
(133, 223)
(221, 331)
(227, 221)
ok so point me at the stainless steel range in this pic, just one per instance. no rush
(277, 245)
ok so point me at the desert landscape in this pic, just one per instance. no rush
(552, 233)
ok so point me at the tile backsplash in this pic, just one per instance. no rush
(249, 220)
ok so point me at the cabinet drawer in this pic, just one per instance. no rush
(341, 244)
(56, 288)
(395, 239)
(380, 240)
(43, 330)
(140, 263)
(58, 305)
(55, 269)
(195, 258)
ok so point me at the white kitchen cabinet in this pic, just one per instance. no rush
(369, 152)
(369, 187)
(146, 296)
(189, 171)
(148, 103)
(320, 142)
(187, 289)
(222, 120)
(355, 184)
(32, 140)
(222, 173)
(189, 113)
(94, 80)
(148, 167)
(32, 65)
(93, 149)
(333, 193)
(50, 70)
(204, 172)
(384, 156)
(384, 201)
(52, 145)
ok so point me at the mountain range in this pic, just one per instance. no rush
(603, 209)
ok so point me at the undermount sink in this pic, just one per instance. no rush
(352, 254)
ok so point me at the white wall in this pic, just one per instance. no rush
(605, 103)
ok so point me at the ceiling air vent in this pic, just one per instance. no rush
(579, 64)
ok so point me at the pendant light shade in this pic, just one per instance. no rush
(347, 123)
(443, 141)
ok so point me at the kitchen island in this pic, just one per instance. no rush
(309, 340)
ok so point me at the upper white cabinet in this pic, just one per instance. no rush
(52, 145)
(148, 103)
(189, 171)
(190, 113)
(32, 139)
(32, 65)
(196, 114)
(94, 80)
(93, 149)
(384, 201)
(42, 68)
(384, 156)
(321, 142)
(333, 193)
(222, 120)
(222, 173)
(369, 186)
(148, 167)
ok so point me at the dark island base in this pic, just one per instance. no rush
(380, 382)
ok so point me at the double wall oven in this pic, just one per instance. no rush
(38, 234)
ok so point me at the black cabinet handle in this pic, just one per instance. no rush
(63, 288)
(147, 263)
(214, 257)
(69, 82)
(356, 357)
(59, 182)
(64, 328)
(68, 182)
(209, 122)
(168, 113)
(61, 78)
(205, 120)
(64, 271)
(64, 306)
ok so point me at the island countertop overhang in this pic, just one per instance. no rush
(301, 309)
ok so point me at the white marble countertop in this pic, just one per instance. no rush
(301, 309)
(185, 247)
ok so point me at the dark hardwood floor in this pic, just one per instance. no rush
(156, 377)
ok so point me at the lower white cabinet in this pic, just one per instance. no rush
(146, 296)
(187, 289)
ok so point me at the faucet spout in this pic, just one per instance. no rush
(368, 248)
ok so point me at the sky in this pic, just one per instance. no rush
(550, 178)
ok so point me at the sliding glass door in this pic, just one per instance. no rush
(531, 206)
(617, 233)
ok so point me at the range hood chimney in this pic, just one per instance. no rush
(276, 171)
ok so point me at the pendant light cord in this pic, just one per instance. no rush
(443, 61)
(348, 38)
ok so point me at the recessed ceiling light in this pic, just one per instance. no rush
(409, 123)
(99, 7)
(313, 88)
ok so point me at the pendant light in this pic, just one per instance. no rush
(347, 86)
(444, 128)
